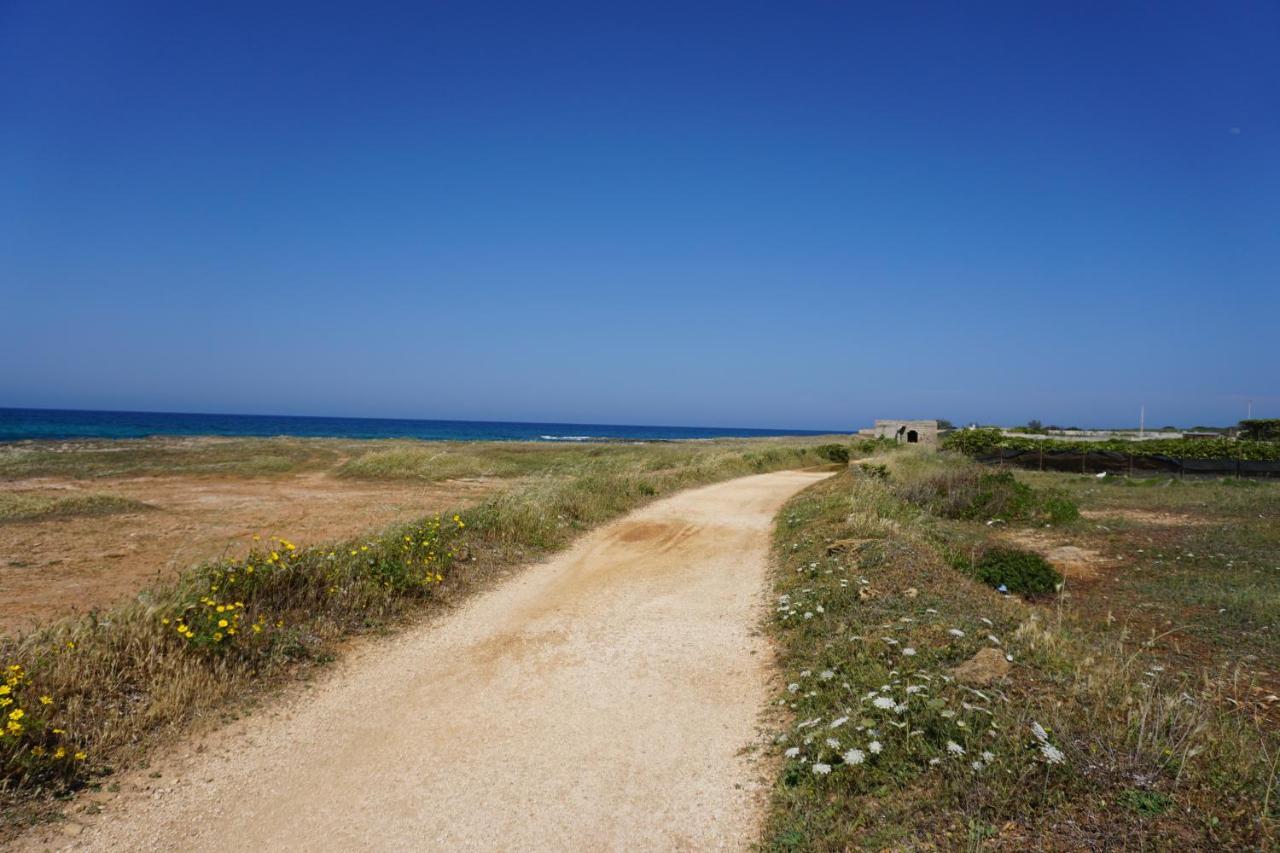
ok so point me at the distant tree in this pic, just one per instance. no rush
(1034, 425)
(943, 423)
(1260, 429)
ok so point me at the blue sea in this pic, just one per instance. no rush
(58, 424)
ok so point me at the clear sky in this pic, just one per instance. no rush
(800, 214)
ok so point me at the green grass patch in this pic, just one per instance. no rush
(18, 506)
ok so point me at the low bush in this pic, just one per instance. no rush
(972, 493)
(833, 452)
(1016, 570)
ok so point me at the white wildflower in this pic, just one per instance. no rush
(954, 748)
(793, 687)
(909, 652)
(1052, 754)
(1039, 732)
(955, 632)
(833, 743)
(988, 756)
(874, 747)
(792, 752)
(826, 675)
(821, 769)
(854, 756)
(884, 703)
(838, 722)
(977, 765)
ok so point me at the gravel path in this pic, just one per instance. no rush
(601, 700)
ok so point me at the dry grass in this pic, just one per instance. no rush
(120, 680)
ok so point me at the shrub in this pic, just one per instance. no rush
(1019, 571)
(833, 452)
(975, 494)
(874, 471)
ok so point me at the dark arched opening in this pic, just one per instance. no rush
(912, 436)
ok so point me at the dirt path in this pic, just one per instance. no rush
(601, 700)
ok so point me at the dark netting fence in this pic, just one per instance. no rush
(1114, 462)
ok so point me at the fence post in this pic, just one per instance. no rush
(1041, 450)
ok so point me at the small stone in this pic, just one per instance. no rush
(986, 666)
(911, 592)
(72, 828)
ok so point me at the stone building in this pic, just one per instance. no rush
(909, 432)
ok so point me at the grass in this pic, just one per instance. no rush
(17, 506)
(1103, 733)
(170, 456)
(433, 461)
(119, 681)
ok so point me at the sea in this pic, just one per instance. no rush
(65, 424)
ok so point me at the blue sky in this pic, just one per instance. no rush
(784, 214)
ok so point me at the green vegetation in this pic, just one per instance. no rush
(110, 684)
(976, 442)
(1016, 570)
(18, 506)
(1115, 725)
(838, 453)
(954, 488)
(1258, 429)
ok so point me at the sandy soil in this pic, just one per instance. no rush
(58, 566)
(1074, 562)
(599, 701)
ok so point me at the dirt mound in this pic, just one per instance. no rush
(1072, 561)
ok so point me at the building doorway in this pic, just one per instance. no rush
(912, 436)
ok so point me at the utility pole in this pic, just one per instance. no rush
(1142, 420)
(1250, 415)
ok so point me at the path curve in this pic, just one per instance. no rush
(600, 700)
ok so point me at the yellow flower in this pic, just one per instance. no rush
(81, 756)
(17, 714)
(222, 623)
(5, 689)
(46, 700)
(61, 753)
